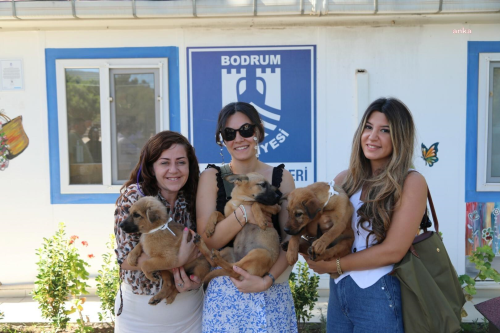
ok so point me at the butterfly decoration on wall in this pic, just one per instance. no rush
(430, 154)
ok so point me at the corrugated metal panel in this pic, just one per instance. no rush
(234, 8)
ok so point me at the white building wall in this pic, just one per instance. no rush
(423, 65)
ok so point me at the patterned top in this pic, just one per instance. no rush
(140, 284)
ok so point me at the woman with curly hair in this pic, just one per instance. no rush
(389, 205)
(167, 169)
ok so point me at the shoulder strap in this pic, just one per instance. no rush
(433, 211)
(276, 182)
(426, 234)
(221, 193)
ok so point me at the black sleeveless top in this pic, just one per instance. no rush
(223, 197)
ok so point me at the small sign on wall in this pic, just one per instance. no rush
(279, 81)
(11, 74)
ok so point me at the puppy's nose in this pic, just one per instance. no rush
(287, 230)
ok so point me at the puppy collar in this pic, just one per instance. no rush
(163, 227)
(331, 192)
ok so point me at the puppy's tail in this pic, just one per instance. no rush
(213, 274)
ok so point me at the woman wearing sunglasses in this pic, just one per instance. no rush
(256, 303)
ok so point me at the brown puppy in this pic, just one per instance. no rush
(256, 248)
(149, 217)
(319, 209)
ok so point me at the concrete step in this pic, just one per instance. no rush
(25, 310)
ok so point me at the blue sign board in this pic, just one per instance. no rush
(279, 81)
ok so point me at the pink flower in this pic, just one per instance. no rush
(91, 256)
(84, 243)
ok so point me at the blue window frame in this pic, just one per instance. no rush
(471, 151)
(51, 56)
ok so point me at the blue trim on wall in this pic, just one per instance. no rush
(51, 55)
(315, 57)
(473, 50)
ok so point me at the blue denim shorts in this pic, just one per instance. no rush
(374, 309)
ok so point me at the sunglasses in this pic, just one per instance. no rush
(246, 131)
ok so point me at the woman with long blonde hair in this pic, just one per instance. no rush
(389, 206)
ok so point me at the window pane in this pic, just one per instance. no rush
(135, 119)
(495, 124)
(84, 126)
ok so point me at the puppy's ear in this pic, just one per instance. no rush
(312, 207)
(153, 214)
(237, 179)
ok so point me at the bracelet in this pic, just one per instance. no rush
(237, 219)
(244, 211)
(339, 270)
(271, 276)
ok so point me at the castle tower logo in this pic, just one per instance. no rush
(259, 85)
(278, 81)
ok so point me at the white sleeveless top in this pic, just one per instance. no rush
(366, 278)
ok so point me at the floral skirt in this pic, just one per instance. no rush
(226, 309)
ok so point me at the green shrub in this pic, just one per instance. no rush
(482, 258)
(108, 282)
(304, 291)
(61, 274)
(476, 327)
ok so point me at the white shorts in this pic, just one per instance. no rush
(183, 315)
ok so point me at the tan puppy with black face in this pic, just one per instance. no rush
(149, 217)
(256, 247)
(317, 209)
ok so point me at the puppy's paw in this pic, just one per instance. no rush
(263, 224)
(197, 238)
(291, 258)
(154, 300)
(171, 298)
(284, 246)
(151, 277)
(319, 246)
(311, 253)
(214, 254)
(210, 230)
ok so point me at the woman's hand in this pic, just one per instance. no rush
(188, 251)
(183, 282)
(321, 267)
(250, 283)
